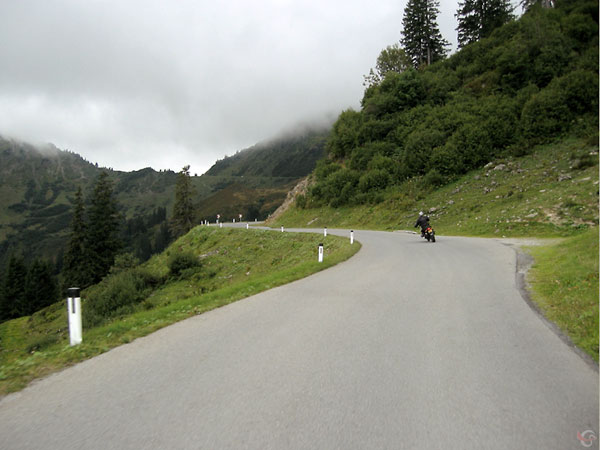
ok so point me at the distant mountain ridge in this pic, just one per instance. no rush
(38, 184)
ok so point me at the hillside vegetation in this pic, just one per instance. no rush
(551, 192)
(38, 185)
(207, 268)
(532, 81)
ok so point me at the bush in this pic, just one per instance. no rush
(344, 136)
(374, 180)
(545, 115)
(182, 262)
(433, 179)
(117, 294)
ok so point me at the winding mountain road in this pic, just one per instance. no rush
(407, 345)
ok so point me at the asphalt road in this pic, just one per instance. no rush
(406, 345)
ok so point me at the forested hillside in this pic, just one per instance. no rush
(531, 81)
(38, 196)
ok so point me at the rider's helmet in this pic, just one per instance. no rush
(420, 213)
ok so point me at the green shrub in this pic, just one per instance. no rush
(433, 178)
(374, 180)
(545, 115)
(179, 263)
(344, 136)
(117, 294)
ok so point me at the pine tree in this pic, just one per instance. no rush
(41, 289)
(421, 36)
(182, 219)
(478, 18)
(528, 4)
(76, 263)
(103, 229)
(13, 297)
(162, 238)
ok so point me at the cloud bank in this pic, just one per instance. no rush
(131, 84)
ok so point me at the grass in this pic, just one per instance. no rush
(236, 263)
(564, 283)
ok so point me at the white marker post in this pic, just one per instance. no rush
(282, 229)
(320, 253)
(247, 226)
(221, 225)
(351, 237)
(74, 309)
(325, 232)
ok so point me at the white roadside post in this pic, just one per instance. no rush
(220, 224)
(74, 309)
(282, 229)
(320, 253)
(247, 226)
(351, 236)
(325, 232)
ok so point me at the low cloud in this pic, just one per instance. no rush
(165, 84)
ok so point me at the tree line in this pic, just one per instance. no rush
(99, 240)
(422, 43)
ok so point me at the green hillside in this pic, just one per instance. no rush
(551, 192)
(38, 185)
(293, 156)
(207, 268)
(533, 81)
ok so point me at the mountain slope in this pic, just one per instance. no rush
(37, 187)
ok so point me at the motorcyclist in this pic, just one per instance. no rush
(423, 222)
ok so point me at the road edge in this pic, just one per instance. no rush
(524, 261)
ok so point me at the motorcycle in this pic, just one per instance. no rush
(429, 234)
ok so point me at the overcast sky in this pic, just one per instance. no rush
(146, 83)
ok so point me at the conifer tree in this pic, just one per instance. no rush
(421, 37)
(76, 264)
(41, 289)
(13, 298)
(162, 238)
(182, 219)
(103, 229)
(478, 18)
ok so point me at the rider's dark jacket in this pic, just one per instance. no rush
(423, 222)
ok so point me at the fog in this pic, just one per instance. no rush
(166, 84)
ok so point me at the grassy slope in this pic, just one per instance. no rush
(522, 199)
(565, 287)
(525, 198)
(236, 263)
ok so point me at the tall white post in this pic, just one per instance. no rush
(320, 253)
(220, 224)
(325, 232)
(282, 229)
(247, 226)
(74, 309)
(351, 236)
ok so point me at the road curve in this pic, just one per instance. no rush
(406, 345)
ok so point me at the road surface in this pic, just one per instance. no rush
(407, 345)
